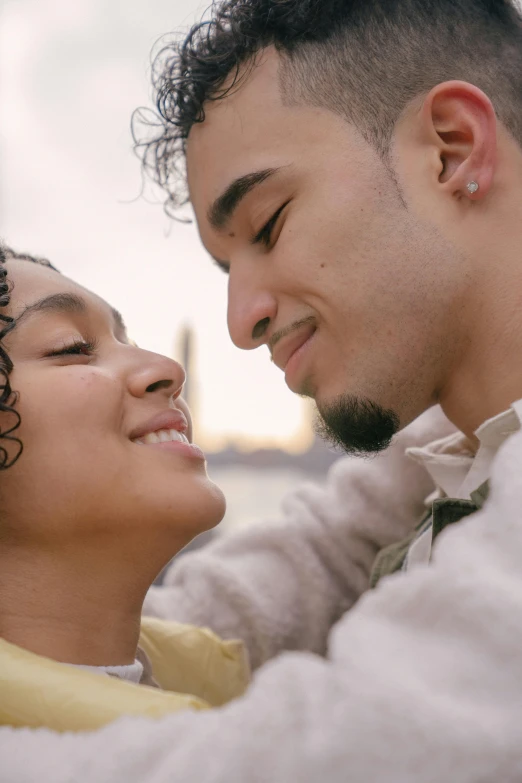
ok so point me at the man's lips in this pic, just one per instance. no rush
(289, 345)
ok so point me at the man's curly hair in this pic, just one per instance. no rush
(364, 59)
(11, 446)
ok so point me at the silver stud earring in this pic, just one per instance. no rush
(472, 186)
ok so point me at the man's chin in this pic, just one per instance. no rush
(357, 425)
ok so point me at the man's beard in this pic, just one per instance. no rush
(359, 426)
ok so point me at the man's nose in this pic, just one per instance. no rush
(251, 311)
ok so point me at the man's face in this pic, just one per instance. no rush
(327, 266)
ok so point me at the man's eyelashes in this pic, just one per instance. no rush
(264, 236)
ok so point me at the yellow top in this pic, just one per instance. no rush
(196, 669)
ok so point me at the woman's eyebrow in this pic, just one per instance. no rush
(64, 303)
(60, 303)
(118, 318)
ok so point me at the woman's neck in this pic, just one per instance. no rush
(77, 609)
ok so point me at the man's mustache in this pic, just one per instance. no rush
(286, 330)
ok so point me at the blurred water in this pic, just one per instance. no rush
(254, 495)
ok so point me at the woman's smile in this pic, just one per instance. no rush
(173, 441)
(168, 431)
(162, 436)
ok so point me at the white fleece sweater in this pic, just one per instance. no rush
(281, 585)
(422, 680)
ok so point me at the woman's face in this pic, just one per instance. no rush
(89, 401)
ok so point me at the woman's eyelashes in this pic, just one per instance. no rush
(264, 236)
(77, 347)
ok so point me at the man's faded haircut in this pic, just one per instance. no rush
(363, 59)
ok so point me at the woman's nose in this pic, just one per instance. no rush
(155, 373)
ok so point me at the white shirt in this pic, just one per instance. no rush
(458, 470)
(132, 672)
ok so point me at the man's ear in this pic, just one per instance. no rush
(461, 120)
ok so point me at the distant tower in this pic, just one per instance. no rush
(185, 352)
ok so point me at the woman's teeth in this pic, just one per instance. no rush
(162, 436)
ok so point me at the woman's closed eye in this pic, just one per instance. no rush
(78, 347)
(264, 236)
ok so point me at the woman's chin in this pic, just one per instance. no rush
(213, 506)
(200, 509)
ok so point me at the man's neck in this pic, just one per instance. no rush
(487, 376)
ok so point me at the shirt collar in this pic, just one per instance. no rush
(454, 464)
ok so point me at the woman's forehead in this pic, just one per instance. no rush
(32, 282)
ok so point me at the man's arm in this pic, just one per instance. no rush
(422, 684)
(283, 584)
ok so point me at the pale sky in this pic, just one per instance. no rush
(72, 72)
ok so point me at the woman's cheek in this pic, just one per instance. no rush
(72, 397)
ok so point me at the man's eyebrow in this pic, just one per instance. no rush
(63, 303)
(226, 204)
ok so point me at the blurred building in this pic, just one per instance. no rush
(186, 351)
(314, 461)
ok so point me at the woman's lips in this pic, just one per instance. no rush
(189, 450)
(165, 420)
(169, 439)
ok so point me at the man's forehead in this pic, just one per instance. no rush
(254, 130)
(256, 87)
(236, 130)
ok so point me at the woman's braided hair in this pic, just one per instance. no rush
(11, 447)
